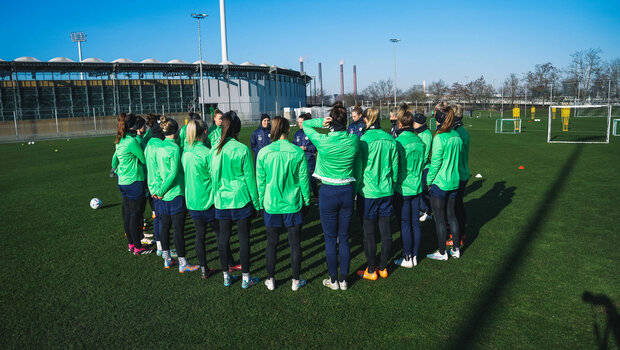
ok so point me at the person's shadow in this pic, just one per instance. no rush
(612, 327)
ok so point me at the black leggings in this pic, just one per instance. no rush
(370, 245)
(178, 222)
(461, 215)
(273, 237)
(243, 227)
(201, 229)
(132, 220)
(441, 209)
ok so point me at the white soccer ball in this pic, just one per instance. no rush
(95, 203)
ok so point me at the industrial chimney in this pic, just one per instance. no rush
(223, 31)
(354, 82)
(320, 80)
(341, 79)
(301, 64)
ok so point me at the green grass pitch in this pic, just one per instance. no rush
(537, 239)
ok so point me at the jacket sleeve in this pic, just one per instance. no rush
(395, 162)
(402, 168)
(174, 165)
(304, 181)
(359, 164)
(248, 174)
(314, 136)
(261, 178)
(436, 160)
(253, 142)
(115, 161)
(136, 150)
(310, 147)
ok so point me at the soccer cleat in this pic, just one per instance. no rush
(449, 243)
(423, 217)
(367, 275)
(173, 253)
(234, 268)
(147, 235)
(343, 285)
(270, 283)
(415, 260)
(142, 251)
(249, 283)
(383, 273)
(228, 280)
(130, 247)
(153, 216)
(146, 241)
(437, 256)
(169, 263)
(208, 273)
(328, 283)
(455, 253)
(404, 262)
(297, 284)
(188, 268)
(160, 252)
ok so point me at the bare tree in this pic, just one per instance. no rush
(439, 90)
(460, 92)
(512, 87)
(381, 90)
(540, 80)
(414, 93)
(583, 68)
(606, 82)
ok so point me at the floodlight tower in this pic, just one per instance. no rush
(79, 37)
(395, 41)
(198, 17)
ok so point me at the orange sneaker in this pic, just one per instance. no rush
(383, 273)
(369, 276)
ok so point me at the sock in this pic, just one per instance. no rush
(166, 255)
(334, 279)
(246, 277)
(203, 269)
(343, 280)
(182, 261)
(226, 274)
(159, 245)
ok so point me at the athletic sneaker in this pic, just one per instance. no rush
(328, 283)
(449, 243)
(188, 268)
(142, 251)
(130, 248)
(249, 283)
(229, 280)
(415, 260)
(383, 273)
(455, 253)
(437, 256)
(208, 273)
(343, 285)
(234, 268)
(270, 283)
(296, 284)
(173, 254)
(169, 263)
(148, 235)
(160, 252)
(153, 216)
(367, 275)
(404, 262)
(425, 217)
(146, 241)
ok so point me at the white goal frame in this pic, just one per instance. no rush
(577, 107)
(514, 120)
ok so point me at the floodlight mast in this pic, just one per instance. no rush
(198, 17)
(395, 41)
(79, 37)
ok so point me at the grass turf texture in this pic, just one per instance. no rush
(537, 239)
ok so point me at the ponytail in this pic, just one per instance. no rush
(370, 116)
(121, 127)
(194, 130)
(231, 126)
(279, 126)
(447, 114)
(168, 126)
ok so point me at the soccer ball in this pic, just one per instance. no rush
(95, 203)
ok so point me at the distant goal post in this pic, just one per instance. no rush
(579, 124)
(508, 126)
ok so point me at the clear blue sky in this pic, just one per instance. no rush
(450, 40)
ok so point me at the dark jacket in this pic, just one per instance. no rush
(300, 139)
(260, 138)
(357, 128)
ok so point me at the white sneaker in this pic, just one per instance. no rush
(437, 256)
(343, 285)
(147, 235)
(415, 260)
(297, 284)
(424, 217)
(146, 241)
(403, 262)
(270, 283)
(328, 283)
(455, 253)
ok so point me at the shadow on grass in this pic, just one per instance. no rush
(486, 305)
(110, 206)
(612, 327)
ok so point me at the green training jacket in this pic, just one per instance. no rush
(463, 164)
(128, 160)
(336, 154)
(152, 173)
(146, 138)
(411, 152)
(197, 168)
(379, 163)
(170, 170)
(282, 178)
(182, 139)
(445, 158)
(232, 173)
(214, 133)
(427, 138)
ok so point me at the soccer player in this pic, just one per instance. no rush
(236, 198)
(379, 163)
(128, 160)
(408, 188)
(153, 181)
(463, 170)
(300, 139)
(357, 126)
(215, 130)
(182, 139)
(261, 136)
(171, 191)
(337, 151)
(421, 129)
(283, 189)
(443, 179)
